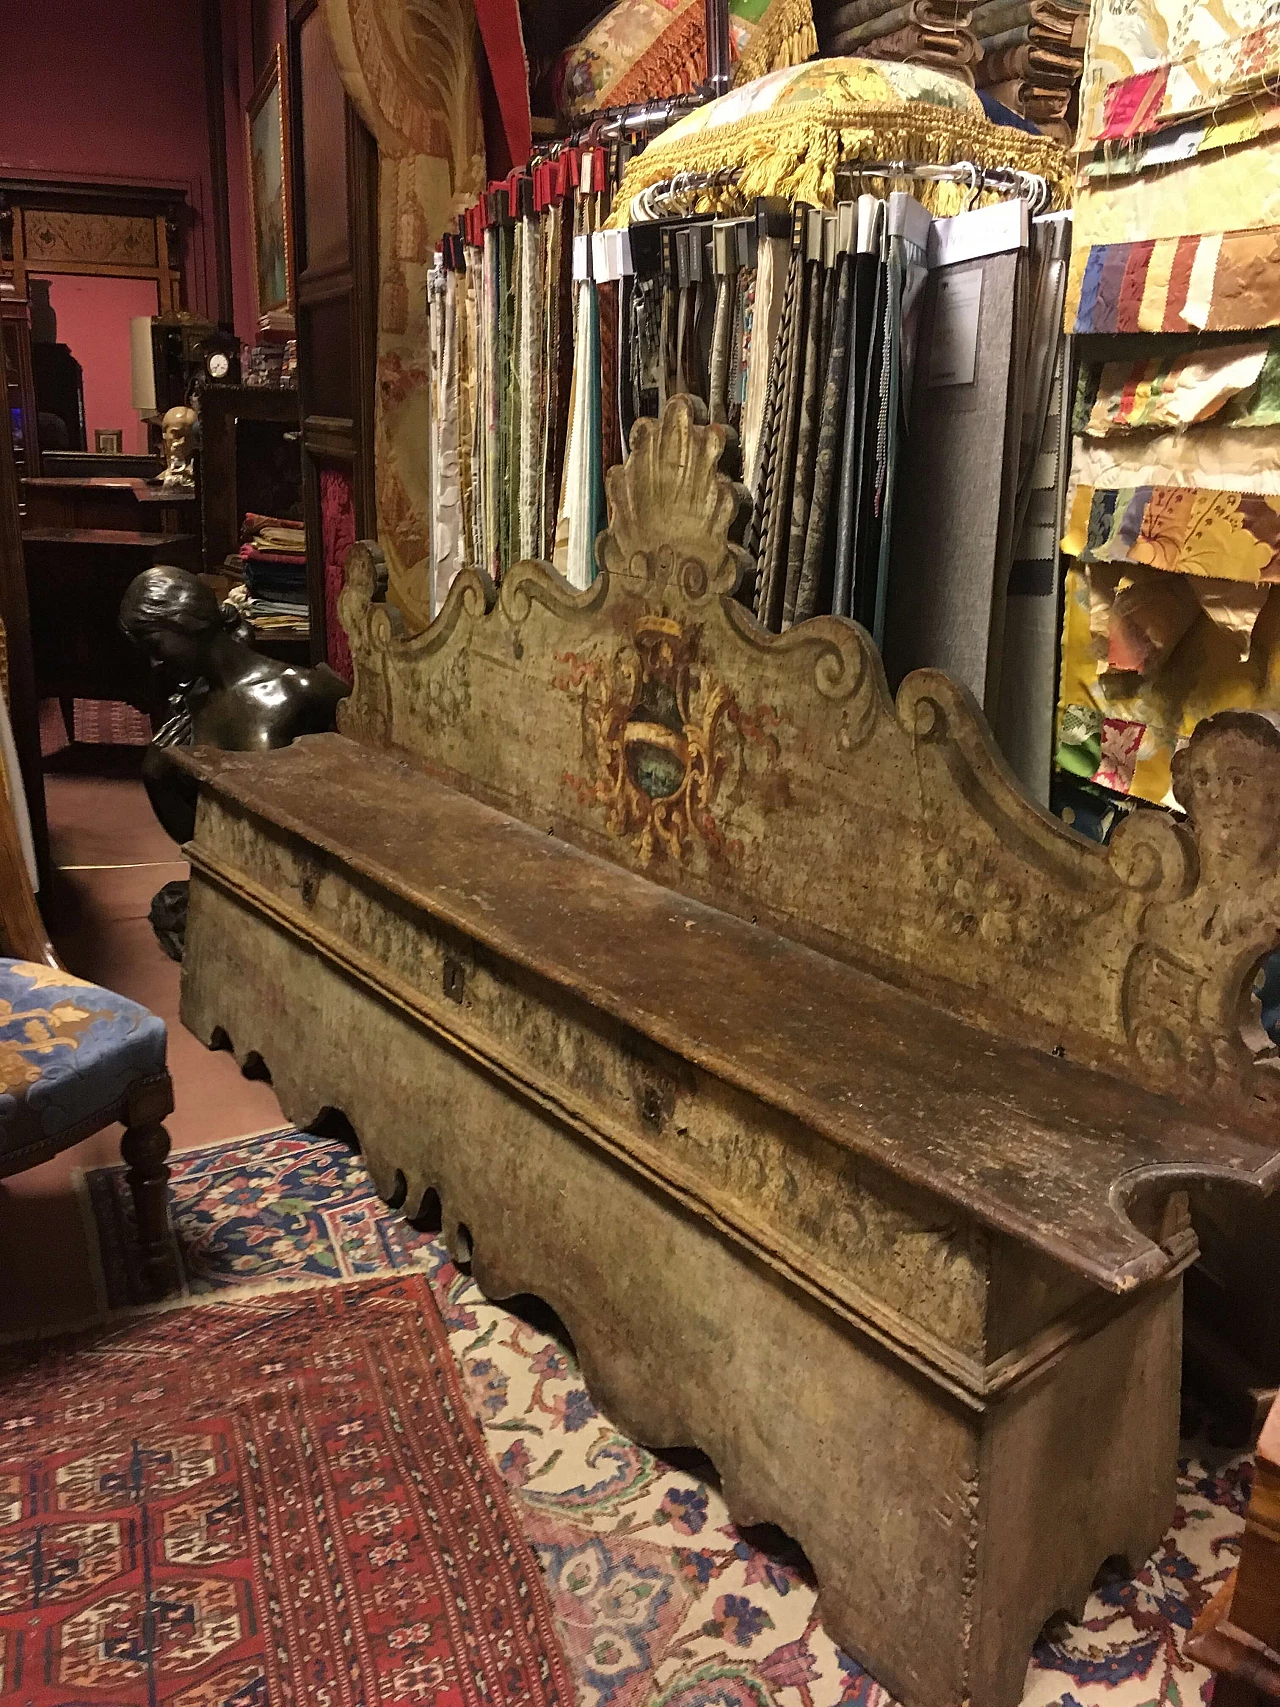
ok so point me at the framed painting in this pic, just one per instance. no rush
(267, 140)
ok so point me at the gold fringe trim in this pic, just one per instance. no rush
(786, 37)
(796, 156)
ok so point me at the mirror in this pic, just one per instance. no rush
(80, 359)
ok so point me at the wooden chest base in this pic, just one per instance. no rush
(957, 1431)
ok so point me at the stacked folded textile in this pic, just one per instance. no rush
(268, 618)
(1032, 56)
(923, 32)
(273, 560)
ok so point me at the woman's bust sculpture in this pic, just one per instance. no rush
(226, 694)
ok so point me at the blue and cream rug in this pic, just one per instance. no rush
(660, 1601)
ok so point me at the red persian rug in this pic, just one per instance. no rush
(277, 1499)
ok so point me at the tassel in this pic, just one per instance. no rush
(785, 36)
(675, 64)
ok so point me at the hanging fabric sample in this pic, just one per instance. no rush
(581, 511)
(866, 285)
(773, 236)
(447, 529)
(1153, 62)
(1173, 523)
(494, 293)
(809, 405)
(908, 234)
(1024, 720)
(771, 530)
(814, 594)
(950, 555)
(529, 360)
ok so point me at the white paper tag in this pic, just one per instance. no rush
(582, 256)
(1181, 143)
(908, 218)
(986, 231)
(953, 356)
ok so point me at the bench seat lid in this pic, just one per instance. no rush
(1045, 1149)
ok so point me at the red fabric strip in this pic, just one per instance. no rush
(1133, 284)
(503, 39)
(1179, 278)
(1132, 105)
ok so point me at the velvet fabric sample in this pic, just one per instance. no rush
(814, 594)
(810, 403)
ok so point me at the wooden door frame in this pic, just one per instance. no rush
(329, 440)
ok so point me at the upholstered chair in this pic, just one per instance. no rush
(75, 1058)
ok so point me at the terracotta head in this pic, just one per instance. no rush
(1228, 779)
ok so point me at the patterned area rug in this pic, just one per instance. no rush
(98, 722)
(660, 1601)
(278, 1498)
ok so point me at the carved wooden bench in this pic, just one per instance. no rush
(840, 1101)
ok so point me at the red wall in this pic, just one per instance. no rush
(116, 94)
(93, 320)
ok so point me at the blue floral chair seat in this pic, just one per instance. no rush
(69, 1054)
(74, 1058)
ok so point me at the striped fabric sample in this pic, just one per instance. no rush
(1219, 282)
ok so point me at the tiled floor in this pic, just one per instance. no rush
(111, 857)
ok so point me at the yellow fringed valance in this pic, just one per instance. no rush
(787, 134)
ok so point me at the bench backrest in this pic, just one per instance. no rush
(651, 720)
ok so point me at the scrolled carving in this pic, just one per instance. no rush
(1154, 856)
(530, 584)
(372, 626)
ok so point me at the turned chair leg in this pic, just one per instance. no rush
(145, 1148)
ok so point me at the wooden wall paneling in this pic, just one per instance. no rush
(24, 708)
(215, 102)
(334, 180)
(100, 230)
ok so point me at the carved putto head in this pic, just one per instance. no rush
(1228, 779)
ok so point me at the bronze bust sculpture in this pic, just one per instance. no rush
(226, 694)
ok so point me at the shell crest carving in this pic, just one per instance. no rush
(670, 476)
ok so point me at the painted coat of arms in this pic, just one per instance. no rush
(668, 742)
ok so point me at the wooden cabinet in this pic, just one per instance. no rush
(103, 501)
(248, 460)
(20, 388)
(76, 578)
(15, 632)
